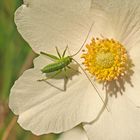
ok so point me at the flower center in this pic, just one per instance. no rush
(106, 59)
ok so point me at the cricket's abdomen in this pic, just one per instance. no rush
(58, 65)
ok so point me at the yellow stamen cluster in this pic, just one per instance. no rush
(106, 59)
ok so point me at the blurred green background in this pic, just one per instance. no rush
(15, 57)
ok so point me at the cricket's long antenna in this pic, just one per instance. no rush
(84, 41)
(92, 84)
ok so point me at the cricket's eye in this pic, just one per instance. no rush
(106, 59)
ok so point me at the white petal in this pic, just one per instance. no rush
(48, 23)
(135, 55)
(124, 16)
(133, 90)
(76, 133)
(45, 108)
(122, 123)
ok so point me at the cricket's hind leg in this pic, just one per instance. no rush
(65, 72)
(53, 57)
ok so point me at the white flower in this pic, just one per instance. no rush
(55, 107)
(42, 107)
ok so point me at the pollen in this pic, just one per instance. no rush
(105, 59)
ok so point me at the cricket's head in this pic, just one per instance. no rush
(69, 59)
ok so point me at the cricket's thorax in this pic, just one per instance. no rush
(59, 64)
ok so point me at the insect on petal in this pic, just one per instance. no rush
(46, 107)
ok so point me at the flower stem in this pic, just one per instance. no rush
(9, 128)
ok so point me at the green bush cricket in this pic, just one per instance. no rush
(61, 62)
